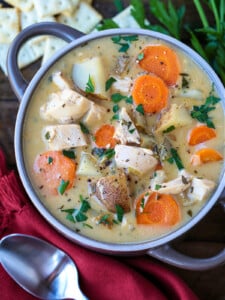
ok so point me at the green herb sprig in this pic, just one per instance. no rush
(78, 215)
(201, 112)
(124, 41)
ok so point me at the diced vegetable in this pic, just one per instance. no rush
(151, 92)
(161, 61)
(88, 165)
(104, 136)
(176, 116)
(157, 209)
(201, 134)
(112, 190)
(55, 172)
(91, 71)
(205, 155)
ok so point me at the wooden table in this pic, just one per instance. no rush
(205, 239)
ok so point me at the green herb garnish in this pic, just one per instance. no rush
(169, 129)
(47, 135)
(62, 187)
(90, 88)
(201, 112)
(117, 97)
(124, 41)
(116, 108)
(140, 109)
(176, 158)
(50, 160)
(140, 56)
(105, 219)
(78, 215)
(101, 152)
(69, 153)
(119, 213)
(109, 83)
(157, 187)
(129, 100)
(84, 129)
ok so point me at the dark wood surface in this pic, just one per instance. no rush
(204, 240)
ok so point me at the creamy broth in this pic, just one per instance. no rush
(192, 88)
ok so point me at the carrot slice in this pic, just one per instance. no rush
(205, 155)
(55, 172)
(201, 134)
(161, 61)
(161, 209)
(151, 92)
(104, 136)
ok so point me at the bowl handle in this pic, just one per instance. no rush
(171, 256)
(17, 81)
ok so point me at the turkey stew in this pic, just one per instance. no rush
(124, 139)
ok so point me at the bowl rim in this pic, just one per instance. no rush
(106, 247)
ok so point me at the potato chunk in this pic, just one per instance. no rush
(91, 69)
(176, 116)
(66, 106)
(112, 190)
(59, 137)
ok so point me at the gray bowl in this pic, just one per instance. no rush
(161, 247)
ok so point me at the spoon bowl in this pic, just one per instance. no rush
(40, 268)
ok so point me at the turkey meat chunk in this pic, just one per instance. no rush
(112, 190)
(135, 159)
(125, 131)
(66, 136)
(66, 106)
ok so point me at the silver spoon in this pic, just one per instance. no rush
(40, 268)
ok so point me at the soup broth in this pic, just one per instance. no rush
(124, 139)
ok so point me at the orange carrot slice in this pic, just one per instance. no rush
(151, 92)
(104, 136)
(201, 134)
(161, 209)
(161, 61)
(205, 155)
(55, 172)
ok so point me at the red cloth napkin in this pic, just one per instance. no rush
(101, 277)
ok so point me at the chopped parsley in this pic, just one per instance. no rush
(117, 97)
(119, 213)
(62, 187)
(101, 152)
(157, 187)
(124, 41)
(140, 109)
(90, 88)
(140, 56)
(116, 108)
(201, 112)
(185, 80)
(169, 129)
(84, 129)
(176, 158)
(47, 135)
(78, 215)
(109, 83)
(69, 154)
(50, 160)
